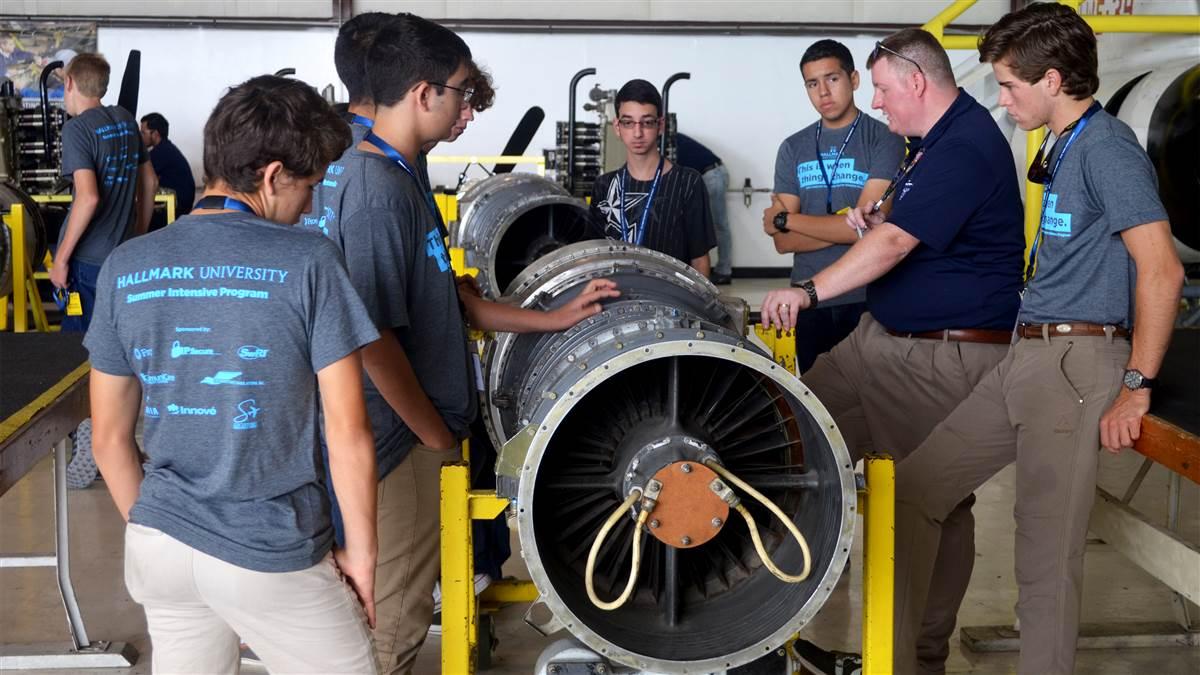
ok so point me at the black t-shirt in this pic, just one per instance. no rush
(173, 172)
(680, 223)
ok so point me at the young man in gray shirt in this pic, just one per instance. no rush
(857, 157)
(218, 330)
(1101, 292)
(421, 394)
(114, 183)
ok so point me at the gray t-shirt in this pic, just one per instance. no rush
(106, 140)
(873, 152)
(226, 319)
(382, 220)
(1106, 185)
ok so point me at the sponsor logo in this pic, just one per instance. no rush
(231, 377)
(161, 378)
(185, 411)
(251, 353)
(193, 329)
(140, 353)
(152, 411)
(178, 350)
(247, 417)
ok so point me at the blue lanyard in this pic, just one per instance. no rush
(361, 121)
(836, 162)
(394, 155)
(1031, 268)
(641, 232)
(221, 202)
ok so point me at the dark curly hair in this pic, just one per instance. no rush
(267, 119)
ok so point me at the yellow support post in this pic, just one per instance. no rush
(937, 25)
(459, 617)
(16, 228)
(782, 344)
(879, 564)
(1178, 24)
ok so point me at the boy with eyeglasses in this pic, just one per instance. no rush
(420, 387)
(650, 201)
(842, 160)
(1102, 288)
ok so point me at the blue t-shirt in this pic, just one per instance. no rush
(871, 153)
(962, 202)
(225, 319)
(173, 172)
(693, 154)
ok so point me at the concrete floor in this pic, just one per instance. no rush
(1117, 591)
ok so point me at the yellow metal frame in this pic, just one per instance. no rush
(25, 298)
(537, 160)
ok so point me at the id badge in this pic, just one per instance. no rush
(74, 304)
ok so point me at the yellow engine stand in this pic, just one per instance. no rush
(460, 611)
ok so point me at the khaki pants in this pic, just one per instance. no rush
(886, 394)
(197, 606)
(1040, 408)
(409, 501)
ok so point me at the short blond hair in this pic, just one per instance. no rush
(90, 73)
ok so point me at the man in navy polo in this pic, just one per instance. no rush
(941, 258)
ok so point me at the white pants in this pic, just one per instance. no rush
(197, 607)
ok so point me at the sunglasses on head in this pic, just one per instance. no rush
(880, 47)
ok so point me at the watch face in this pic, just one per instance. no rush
(781, 220)
(1133, 379)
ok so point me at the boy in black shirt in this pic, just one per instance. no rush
(679, 222)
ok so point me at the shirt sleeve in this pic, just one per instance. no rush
(77, 152)
(942, 193)
(1122, 182)
(379, 250)
(338, 323)
(786, 182)
(887, 151)
(702, 236)
(105, 350)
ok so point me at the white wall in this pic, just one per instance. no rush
(744, 97)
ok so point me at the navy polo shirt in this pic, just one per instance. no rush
(962, 202)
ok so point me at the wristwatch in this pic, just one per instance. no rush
(781, 221)
(1134, 380)
(811, 289)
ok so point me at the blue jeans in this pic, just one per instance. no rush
(716, 181)
(81, 279)
(818, 330)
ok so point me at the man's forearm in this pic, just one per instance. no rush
(120, 464)
(355, 480)
(77, 223)
(392, 374)
(1155, 306)
(498, 316)
(794, 242)
(878, 252)
(831, 229)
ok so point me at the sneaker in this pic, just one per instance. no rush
(720, 279)
(482, 581)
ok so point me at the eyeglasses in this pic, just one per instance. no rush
(879, 46)
(649, 123)
(467, 94)
(1039, 169)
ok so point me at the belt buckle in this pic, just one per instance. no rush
(1062, 328)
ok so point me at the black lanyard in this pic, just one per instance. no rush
(836, 162)
(219, 202)
(641, 232)
(394, 155)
